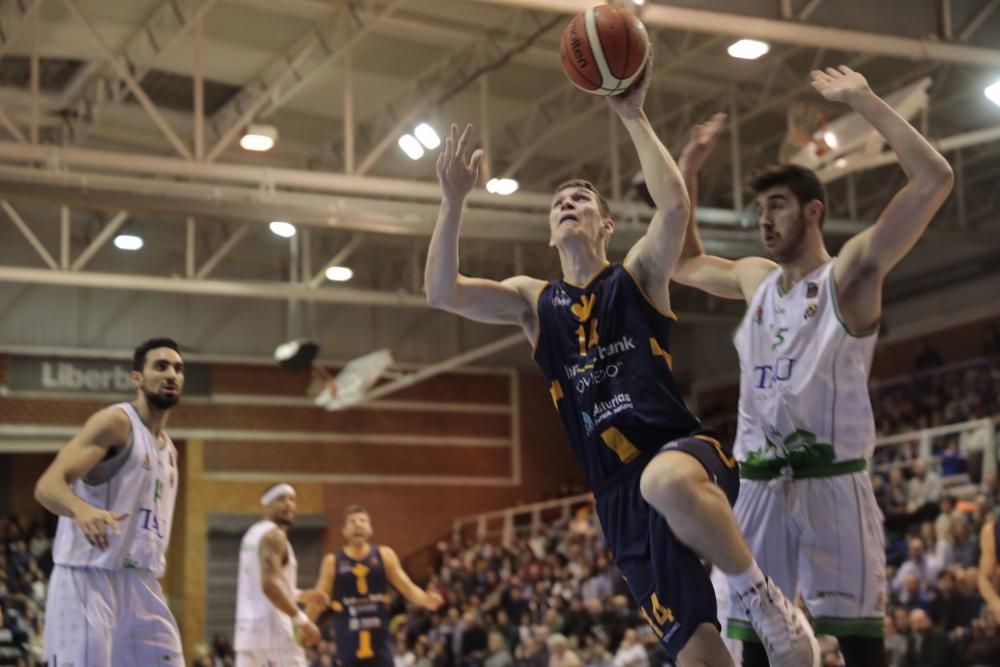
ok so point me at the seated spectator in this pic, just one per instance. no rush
(923, 489)
(984, 645)
(925, 567)
(499, 654)
(560, 655)
(928, 645)
(949, 608)
(895, 644)
(631, 653)
(965, 545)
(913, 594)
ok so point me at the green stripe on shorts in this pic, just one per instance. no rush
(850, 627)
(742, 630)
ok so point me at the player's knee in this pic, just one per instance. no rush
(663, 484)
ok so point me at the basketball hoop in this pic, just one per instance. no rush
(349, 386)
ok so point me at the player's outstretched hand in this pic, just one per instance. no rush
(839, 85)
(433, 601)
(95, 524)
(455, 174)
(312, 596)
(309, 634)
(701, 143)
(628, 105)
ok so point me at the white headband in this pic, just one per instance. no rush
(276, 492)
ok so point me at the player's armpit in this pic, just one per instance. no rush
(510, 301)
(723, 277)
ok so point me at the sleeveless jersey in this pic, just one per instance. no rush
(803, 376)
(361, 620)
(145, 486)
(259, 624)
(605, 351)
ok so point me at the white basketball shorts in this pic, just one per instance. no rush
(108, 618)
(822, 537)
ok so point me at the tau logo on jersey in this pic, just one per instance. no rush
(588, 423)
(151, 521)
(768, 375)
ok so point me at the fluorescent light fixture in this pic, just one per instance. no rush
(501, 186)
(128, 242)
(993, 93)
(427, 136)
(282, 229)
(259, 138)
(830, 139)
(339, 274)
(748, 49)
(638, 3)
(411, 147)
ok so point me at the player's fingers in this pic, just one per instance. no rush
(463, 140)
(832, 72)
(844, 69)
(476, 159)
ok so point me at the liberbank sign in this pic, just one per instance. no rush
(85, 376)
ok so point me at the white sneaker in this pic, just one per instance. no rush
(782, 627)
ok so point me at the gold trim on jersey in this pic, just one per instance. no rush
(617, 441)
(730, 461)
(658, 351)
(556, 391)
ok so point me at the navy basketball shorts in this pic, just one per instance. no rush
(666, 578)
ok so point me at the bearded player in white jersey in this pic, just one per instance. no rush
(113, 486)
(806, 429)
(270, 627)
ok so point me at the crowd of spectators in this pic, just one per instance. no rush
(25, 565)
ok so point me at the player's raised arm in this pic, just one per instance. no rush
(867, 257)
(654, 256)
(104, 430)
(508, 302)
(716, 275)
(397, 576)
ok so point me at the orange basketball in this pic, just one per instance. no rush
(603, 50)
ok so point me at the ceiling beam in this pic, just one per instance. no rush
(785, 32)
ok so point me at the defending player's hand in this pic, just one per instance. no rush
(308, 634)
(312, 596)
(96, 524)
(433, 601)
(701, 143)
(839, 85)
(455, 174)
(628, 105)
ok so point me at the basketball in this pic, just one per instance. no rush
(603, 50)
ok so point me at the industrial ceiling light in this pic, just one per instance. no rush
(501, 186)
(427, 136)
(830, 139)
(339, 274)
(259, 138)
(748, 49)
(128, 242)
(411, 147)
(993, 93)
(283, 229)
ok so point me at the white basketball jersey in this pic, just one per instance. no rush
(145, 486)
(803, 377)
(259, 624)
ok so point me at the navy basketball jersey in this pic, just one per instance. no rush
(361, 620)
(605, 351)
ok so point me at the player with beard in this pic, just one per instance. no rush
(270, 627)
(806, 430)
(113, 486)
(356, 577)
